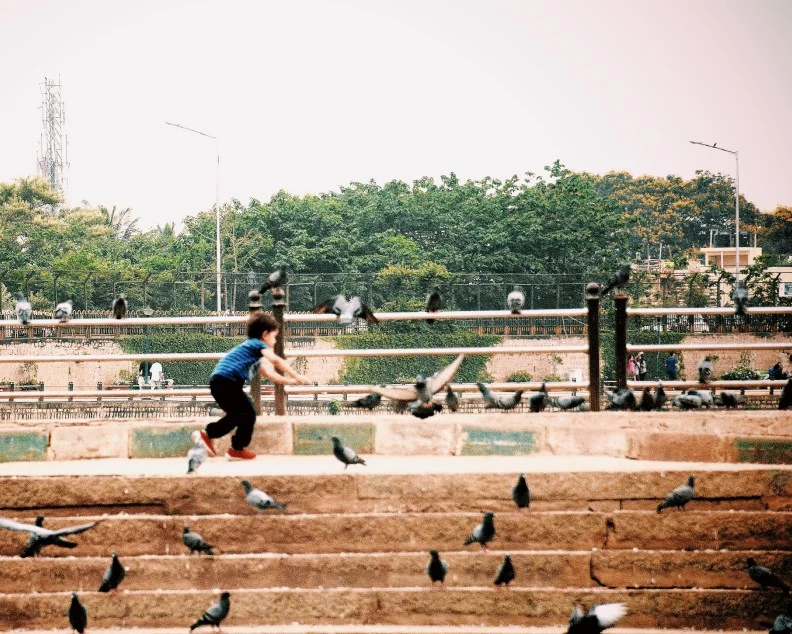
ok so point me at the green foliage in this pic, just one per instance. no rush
(552, 378)
(519, 376)
(742, 372)
(333, 407)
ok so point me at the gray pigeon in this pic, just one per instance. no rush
(276, 279)
(423, 389)
(484, 532)
(346, 455)
(740, 298)
(618, 280)
(785, 400)
(260, 500)
(599, 618)
(706, 396)
(505, 574)
(647, 400)
(63, 311)
(23, 309)
(41, 537)
(623, 399)
(569, 402)
(660, 397)
(680, 496)
(433, 302)
(215, 615)
(687, 401)
(499, 401)
(369, 402)
(783, 622)
(705, 370)
(347, 311)
(424, 410)
(436, 568)
(113, 576)
(538, 402)
(765, 577)
(729, 400)
(197, 454)
(515, 300)
(521, 494)
(78, 615)
(451, 400)
(120, 306)
(195, 542)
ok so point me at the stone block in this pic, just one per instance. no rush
(416, 437)
(23, 445)
(584, 441)
(268, 438)
(314, 439)
(677, 447)
(78, 442)
(160, 441)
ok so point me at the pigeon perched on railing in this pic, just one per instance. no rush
(260, 500)
(197, 454)
(505, 574)
(276, 279)
(599, 618)
(345, 454)
(216, 613)
(424, 389)
(569, 402)
(617, 280)
(765, 577)
(347, 311)
(23, 309)
(63, 311)
(521, 494)
(433, 301)
(538, 402)
(119, 306)
(515, 300)
(437, 569)
(785, 400)
(451, 400)
(740, 298)
(78, 615)
(680, 496)
(484, 532)
(499, 401)
(195, 542)
(113, 576)
(369, 402)
(424, 410)
(41, 537)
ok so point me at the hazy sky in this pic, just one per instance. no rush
(309, 95)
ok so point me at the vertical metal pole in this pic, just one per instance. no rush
(254, 307)
(217, 225)
(278, 305)
(592, 304)
(621, 340)
(737, 222)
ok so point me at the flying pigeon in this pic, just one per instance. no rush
(369, 402)
(195, 542)
(260, 500)
(687, 401)
(729, 400)
(197, 454)
(451, 400)
(424, 410)
(40, 536)
(347, 311)
(78, 615)
(63, 311)
(618, 280)
(23, 309)
(515, 300)
(436, 568)
(276, 279)
(599, 618)
(660, 397)
(423, 389)
(783, 622)
(622, 399)
(499, 401)
(740, 298)
(119, 306)
(569, 402)
(785, 400)
(113, 576)
(505, 574)
(765, 577)
(432, 303)
(216, 613)
(521, 494)
(647, 400)
(705, 370)
(537, 402)
(706, 396)
(680, 496)
(484, 532)
(346, 455)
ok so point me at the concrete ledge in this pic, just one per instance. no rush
(72, 442)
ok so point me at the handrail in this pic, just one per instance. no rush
(663, 347)
(747, 384)
(712, 310)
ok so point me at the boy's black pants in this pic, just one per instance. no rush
(239, 409)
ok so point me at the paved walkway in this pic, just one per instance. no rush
(384, 629)
(377, 464)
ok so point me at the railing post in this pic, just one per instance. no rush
(278, 304)
(70, 387)
(621, 340)
(592, 304)
(254, 307)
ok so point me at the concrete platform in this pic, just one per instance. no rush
(390, 629)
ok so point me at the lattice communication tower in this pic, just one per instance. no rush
(53, 146)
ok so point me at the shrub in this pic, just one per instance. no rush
(552, 378)
(741, 373)
(520, 376)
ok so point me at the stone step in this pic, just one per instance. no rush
(550, 569)
(700, 609)
(388, 629)
(411, 532)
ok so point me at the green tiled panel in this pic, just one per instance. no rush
(485, 441)
(158, 442)
(315, 439)
(764, 451)
(29, 445)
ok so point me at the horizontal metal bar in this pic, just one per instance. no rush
(712, 310)
(748, 384)
(457, 387)
(146, 392)
(631, 347)
(131, 321)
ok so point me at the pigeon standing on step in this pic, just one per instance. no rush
(433, 302)
(197, 453)
(41, 537)
(785, 400)
(369, 402)
(623, 399)
(23, 309)
(680, 496)
(599, 618)
(499, 401)
(451, 400)
(78, 615)
(740, 298)
(63, 311)
(538, 402)
(515, 300)
(347, 311)
(345, 454)
(195, 542)
(687, 401)
(113, 576)
(729, 400)
(567, 403)
(765, 577)
(484, 532)
(783, 622)
(505, 574)
(521, 494)
(706, 396)
(436, 568)
(617, 280)
(120, 306)
(215, 615)
(260, 500)
(647, 400)
(660, 397)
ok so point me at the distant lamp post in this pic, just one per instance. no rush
(217, 206)
(714, 146)
(148, 312)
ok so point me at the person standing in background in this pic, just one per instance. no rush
(672, 367)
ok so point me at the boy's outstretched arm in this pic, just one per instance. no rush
(270, 361)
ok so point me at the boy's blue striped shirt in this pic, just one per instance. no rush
(237, 363)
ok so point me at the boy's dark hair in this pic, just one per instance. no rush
(259, 324)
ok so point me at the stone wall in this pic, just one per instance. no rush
(760, 360)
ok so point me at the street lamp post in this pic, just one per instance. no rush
(714, 146)
(217, 207)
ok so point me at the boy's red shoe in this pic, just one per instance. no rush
(207, 442)
(240, 454)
